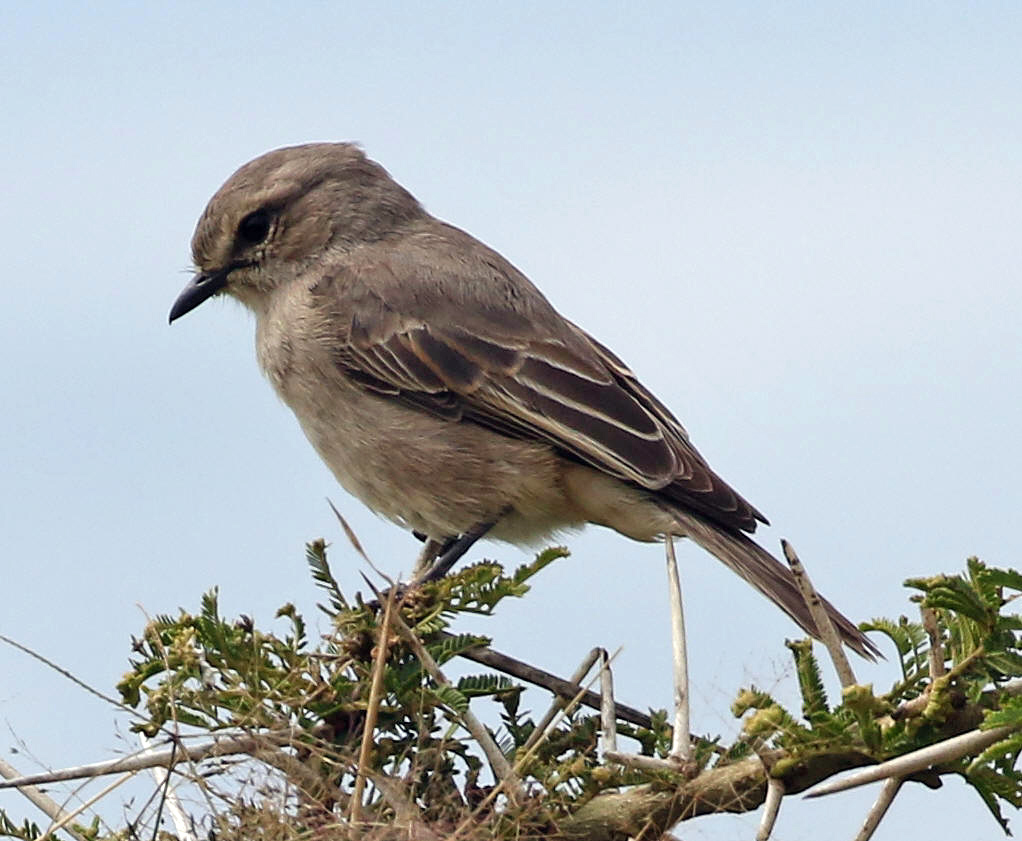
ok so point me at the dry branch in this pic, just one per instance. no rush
(910, 763)
(737, 788)
(538, 677)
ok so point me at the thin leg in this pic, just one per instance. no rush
(453, 552)
(680, 746)
(431, 550)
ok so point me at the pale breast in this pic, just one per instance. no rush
(428, 473)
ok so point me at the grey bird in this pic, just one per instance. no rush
(441, 387)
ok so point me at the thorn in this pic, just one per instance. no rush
(608, 716)
(775, 791)
(825, 628)
(880, 807)
(919, 760)
(681, 746)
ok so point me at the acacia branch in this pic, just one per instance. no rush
(648, 811)
(538, 677)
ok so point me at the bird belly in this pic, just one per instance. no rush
(431, 474)
(440, 476)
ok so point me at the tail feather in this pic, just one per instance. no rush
(772, 578)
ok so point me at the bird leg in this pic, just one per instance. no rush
(452, 551)
(431, 550)
(438, 556)
(680, 744)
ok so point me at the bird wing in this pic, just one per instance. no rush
(509, 361)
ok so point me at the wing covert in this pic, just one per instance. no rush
(526, 374)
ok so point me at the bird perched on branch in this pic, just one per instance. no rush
(441, 387)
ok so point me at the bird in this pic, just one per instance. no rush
(442, 388)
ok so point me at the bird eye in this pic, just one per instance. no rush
(255, 227)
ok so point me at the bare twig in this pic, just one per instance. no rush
(539, 734)
(608, 720)
(373, 708)
(880, 807)
(825, 628)
(735, 787)
(645, 763)
(560, 703)
(401, 800)
(46, 803)
(498, 762)
(67, 817)
(935, 658)
(551, 682)
(65, 673)
(772, 807)
(947, 751)
(526, 755)
(312, 785)
(350, 534)
(681, 745)
(220, 746)
(182, 825)
(357, 545)
(936, 652)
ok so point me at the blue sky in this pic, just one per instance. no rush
(799, 223)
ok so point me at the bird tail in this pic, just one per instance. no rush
(772, 578)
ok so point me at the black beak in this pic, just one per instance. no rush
(201, 287)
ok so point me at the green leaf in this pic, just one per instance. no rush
(1007, 747)
(210, 609)
(451, 698)
(1009, 714)
(475, 686)
(1009, 579)
(543, 560)
(27, 831)
(908, 638)
(810, 682)
(448, 647)
(991, 786)
(315, 555)
(952, 592)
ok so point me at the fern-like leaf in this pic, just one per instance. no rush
(315, 555)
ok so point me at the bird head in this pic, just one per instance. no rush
(283, 211)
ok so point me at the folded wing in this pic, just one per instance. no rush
(554, 384)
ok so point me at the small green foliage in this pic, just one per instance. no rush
(1008, 715)
(315, 555)
(204, 673)
(27, 831)
(810, 682)
(750, 699)
(209, 673)
(480, 587)
(766, 722)
(979, 653)
(977, 601)
(909, 640)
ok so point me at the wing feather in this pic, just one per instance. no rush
(539, 377)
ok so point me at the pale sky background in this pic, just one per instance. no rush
(798, 222)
